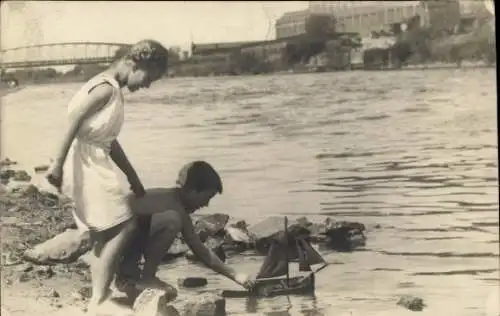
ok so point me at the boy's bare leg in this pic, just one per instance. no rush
(156, 249)
(107, 249)
(129, 265)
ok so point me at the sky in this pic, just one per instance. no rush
(173, 23)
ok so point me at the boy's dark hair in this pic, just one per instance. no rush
(199, 176)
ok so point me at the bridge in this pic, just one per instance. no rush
(59, 54)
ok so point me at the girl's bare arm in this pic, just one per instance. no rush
(120, 159)
(95, 101)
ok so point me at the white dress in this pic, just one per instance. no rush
(91, 177)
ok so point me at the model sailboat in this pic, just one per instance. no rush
(274, 275)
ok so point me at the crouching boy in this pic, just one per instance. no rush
(163, 213)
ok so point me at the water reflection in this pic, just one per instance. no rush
(284, 305)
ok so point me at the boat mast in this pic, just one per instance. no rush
(286, 253)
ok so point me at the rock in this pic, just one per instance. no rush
(176, 250)
(264, 230)
(41, 168)
(267, 228)
(206, 304)
(45, 272)
(66, 247)
(21, 176)
(44, 198)
(26, 191)
(192, 282)
(7, 162)
(211, 225)
(237, 237)
(86, 259)
(24, 277)
(53, 293)
(191, 256)
(24, 267)
(170, 293)
(317, 231)
(272, 227)
(215, 245)
(61, 268)
(344, 236)
(9, 258)
(153, 302)
(7, 174)
(34, 216)
(241, 225)
(83, 293)
(17, 208)
(48, 199)
(412, 303)
(16, 175)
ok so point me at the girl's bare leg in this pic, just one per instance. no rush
(107, 250)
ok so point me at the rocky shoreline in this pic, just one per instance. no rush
(40, 242)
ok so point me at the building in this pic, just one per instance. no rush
(473, 15)
(477, 10)
(471, 7)
(364, 17)
(296, 23)
(211, 48)
(270, 51)
(205, 65)
(346, 8)
(291, 24)
(440, 16)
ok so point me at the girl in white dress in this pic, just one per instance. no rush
(96, 115)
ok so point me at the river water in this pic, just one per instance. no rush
(412, 154)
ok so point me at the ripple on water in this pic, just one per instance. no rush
(373, 117)
(446, 254)
(418, 108)
(458, 272)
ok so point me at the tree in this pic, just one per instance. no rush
(302, 50)
(244, 63)
(291, 55)
(320, 25)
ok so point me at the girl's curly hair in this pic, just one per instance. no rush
(149, 53)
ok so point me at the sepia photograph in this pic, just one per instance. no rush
(274, 158)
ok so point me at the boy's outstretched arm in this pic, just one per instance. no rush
(208, 257)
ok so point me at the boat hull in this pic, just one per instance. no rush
(303, 285)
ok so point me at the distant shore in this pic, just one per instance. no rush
(4, 90)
